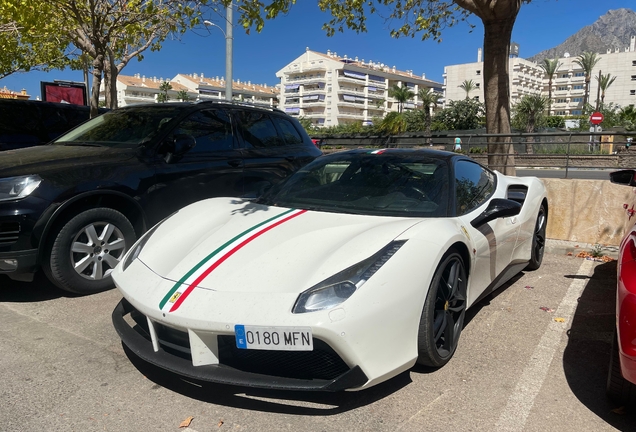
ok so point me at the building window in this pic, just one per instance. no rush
(577, 99)
(478, 72)
(579, 74)
(633, 77)
(562, 88)
(577, 112)
(633, 62)
(565, 75)
(477, 85)
(577, 87)
(561, 100)
(560, 113)
(632, 92)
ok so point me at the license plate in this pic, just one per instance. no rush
(274, 338)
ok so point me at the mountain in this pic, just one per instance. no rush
(611, 31)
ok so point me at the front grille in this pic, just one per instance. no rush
(321, 363)
(9, 232)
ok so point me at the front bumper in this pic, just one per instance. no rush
(168, 353)
(18, 262)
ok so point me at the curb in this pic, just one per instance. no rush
(563, 247)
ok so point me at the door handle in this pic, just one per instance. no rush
(235, 163)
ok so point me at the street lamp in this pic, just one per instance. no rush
(228, 49)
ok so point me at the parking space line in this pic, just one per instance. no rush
(520, 403)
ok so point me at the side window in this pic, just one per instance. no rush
(473, 185)
(258, 130)
(211, 129)
(290, 134)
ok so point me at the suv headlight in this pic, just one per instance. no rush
(18, 187)
(336, 289)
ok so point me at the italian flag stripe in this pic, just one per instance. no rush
(173, 299)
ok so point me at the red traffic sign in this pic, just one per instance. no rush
(596, 118)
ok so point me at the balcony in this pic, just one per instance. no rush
(346, 79)
(314, 114)
(376, 95)
(306, 79)
(313, 67)
(354, 115)
(314, 90)
(311, 103)
(349, 90)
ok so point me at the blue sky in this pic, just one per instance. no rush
(540, 25)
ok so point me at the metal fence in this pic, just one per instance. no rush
(562, 150)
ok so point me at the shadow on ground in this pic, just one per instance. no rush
(273, 401)
(586, 356)
(41, 289)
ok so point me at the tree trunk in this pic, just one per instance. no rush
(550, 96)
(498, 31)
(110, 82)
(98, 66)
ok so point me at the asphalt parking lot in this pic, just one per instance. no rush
(532, 357)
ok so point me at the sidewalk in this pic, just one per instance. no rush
(563, 247)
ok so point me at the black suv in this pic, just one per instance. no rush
(75, 206)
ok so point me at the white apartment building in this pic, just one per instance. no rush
(141, 89)
(214, 88)
(568, 83)
(329, 89)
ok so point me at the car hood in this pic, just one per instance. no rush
(53, 158)
(233, 245)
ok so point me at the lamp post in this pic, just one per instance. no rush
(228, 33)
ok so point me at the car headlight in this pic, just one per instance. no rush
(134, 252)
(18, 187)
(336, 289)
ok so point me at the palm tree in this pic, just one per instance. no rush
(529, 111)
(163, 96)
(627, 117)
(401, 95)
(550, 66)
(183, 96)
(394, 123)
(429, 98)
(468, 86)
(604, 82)
(587, 61)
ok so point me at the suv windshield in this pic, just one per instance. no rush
(126, 126)
(382, 185)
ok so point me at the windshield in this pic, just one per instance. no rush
(126, 126)
(365, 183)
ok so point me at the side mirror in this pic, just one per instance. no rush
(624, 177)
(497, 208)
(183, 143)
(174, 149)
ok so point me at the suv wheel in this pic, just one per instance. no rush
(87, 249)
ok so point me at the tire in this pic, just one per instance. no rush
(618, 388)
(538, 240)
(443, 314)
(86, 250)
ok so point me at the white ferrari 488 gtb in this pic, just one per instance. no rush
(352, 270)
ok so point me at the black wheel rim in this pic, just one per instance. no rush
(450, 306)
(539, 236)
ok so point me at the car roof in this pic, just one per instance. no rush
(198, 104)
(434, 154)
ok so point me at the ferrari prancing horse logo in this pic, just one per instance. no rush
(174, 297)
